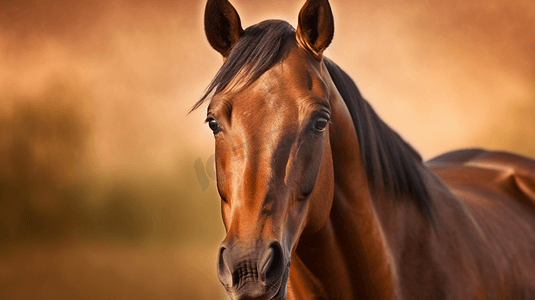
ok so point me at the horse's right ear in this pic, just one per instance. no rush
(222, 25)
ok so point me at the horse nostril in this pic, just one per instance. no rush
(223, 271)
(272, 263)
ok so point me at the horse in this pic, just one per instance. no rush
(321, 199)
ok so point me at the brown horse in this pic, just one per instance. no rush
(322, 200)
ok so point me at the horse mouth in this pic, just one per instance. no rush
(276, 290)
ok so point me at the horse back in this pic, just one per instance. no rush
(506, 173)
(497, 191)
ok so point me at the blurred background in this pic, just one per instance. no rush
(106, 182)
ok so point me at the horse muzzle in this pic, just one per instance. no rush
(259, 272)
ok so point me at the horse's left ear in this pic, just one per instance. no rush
(222, 25)
(316, 26)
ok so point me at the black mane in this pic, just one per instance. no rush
(391, 164)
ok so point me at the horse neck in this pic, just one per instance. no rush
(355, 244)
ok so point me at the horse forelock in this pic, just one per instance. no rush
(260, 47)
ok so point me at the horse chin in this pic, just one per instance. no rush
(253, 291)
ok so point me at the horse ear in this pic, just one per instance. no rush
(222, 25)
(315, 30)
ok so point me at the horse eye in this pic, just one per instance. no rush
(214, 126)
(321, 124)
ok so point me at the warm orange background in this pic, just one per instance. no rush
(99, 198)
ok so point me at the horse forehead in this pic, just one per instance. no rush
(265, 110)
(268, 110)
(298, 73)
(285, 88)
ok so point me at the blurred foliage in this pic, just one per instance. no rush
(144, 208)
(49, 192)
(42, 145)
